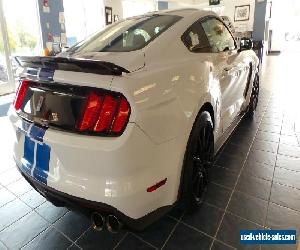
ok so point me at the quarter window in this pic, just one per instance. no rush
(195, 39)
(218, 35)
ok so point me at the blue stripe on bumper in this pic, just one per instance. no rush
(28, 158)
(35, 161)
(42, 163)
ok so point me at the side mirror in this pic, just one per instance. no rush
(246, 44)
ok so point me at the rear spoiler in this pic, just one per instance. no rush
(70, 64)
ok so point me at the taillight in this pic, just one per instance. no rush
(104, 113)
(107, 115)
(91, 111)
(121, 116)
(21, 91)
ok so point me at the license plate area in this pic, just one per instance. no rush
(52, 105)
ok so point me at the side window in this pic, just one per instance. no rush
(218, 35)
(195, 39)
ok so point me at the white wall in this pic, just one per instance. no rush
(229, 10)
(176, 5)
(94, 15)
(138, 7)
(83, 17)
(128, 8)
(116, 5)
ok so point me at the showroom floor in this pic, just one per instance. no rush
(255, 184)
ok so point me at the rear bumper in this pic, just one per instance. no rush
(98, 173)
(86, 207)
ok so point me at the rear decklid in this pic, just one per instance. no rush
(50, 64)
(131, 60)
(49, 95)
(81, 72)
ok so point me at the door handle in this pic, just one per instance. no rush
(231, 71)
(227, 69)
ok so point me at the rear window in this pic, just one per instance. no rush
(128, 35)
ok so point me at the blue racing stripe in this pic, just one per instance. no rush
(41, 169)
(37, 133)
(28, 158)
(36, 163)
(24, 126)
(46, 74)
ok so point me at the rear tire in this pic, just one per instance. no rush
(254, 97)
(198, 159)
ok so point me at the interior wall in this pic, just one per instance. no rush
(285, 19)
(51, 28)
(138, 7)
(162, 5)
(94, 15)
(285, 13)
(176, 5)
(259, 33)
(229, 10)
(116, 5)
(83, 17)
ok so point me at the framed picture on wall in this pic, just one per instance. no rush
(214, 2)
(116, 18)
(108, 15)
(242, 13)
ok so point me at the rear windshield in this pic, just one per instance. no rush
(128, 35)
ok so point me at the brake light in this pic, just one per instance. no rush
(104, 113)
(121, 117)
(91, 111)
(21, 91)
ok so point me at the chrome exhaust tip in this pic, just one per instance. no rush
(98, 221)
(113, 224)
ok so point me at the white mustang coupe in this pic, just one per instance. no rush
(126, 123)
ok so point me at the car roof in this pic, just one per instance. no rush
(183, 12)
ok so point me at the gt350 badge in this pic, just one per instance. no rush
(40, 104)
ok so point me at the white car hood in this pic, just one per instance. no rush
(132, 61)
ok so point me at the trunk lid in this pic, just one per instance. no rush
(132, 61)
(63, 93)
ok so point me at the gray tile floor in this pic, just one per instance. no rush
(255, 184)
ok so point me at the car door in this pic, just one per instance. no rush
(228, 69)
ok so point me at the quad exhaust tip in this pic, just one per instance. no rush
(113, 224)
(98, 221)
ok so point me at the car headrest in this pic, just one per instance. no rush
(138, 40)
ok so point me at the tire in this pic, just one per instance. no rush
(254, 98)
(199, 157)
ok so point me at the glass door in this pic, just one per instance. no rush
(6, 76)
(20, 36)
(23, 27)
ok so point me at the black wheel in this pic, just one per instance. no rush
(198, 159)
(254, 97)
